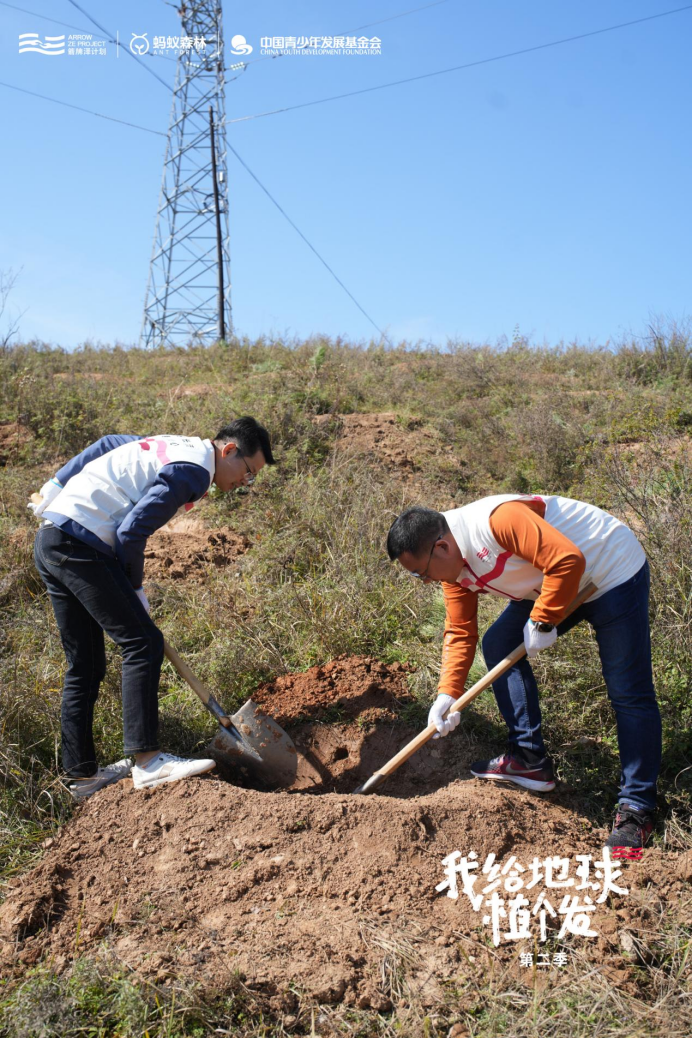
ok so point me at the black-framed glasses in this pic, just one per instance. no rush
(250, 478)
(430, 557)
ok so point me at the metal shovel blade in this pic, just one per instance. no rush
(249, 739)
(257, 743)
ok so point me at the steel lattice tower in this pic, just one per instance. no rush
(188, 298)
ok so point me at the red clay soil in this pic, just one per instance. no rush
(186, 549)
(404, 449)
(320, 895)
(346, 687)
(665, 449)
(194, 389)
(94, 376)
(14, 437)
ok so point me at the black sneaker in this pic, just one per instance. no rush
(632, 828)
(512, 767)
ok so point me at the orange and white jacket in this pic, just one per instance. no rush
(521, 546)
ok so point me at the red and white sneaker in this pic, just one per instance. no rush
(632, 828)
(512, 768)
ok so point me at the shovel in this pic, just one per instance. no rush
(249, 738)
(379, 777)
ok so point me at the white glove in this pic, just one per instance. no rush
(435, 715)
(139, 592)
(48, 492)
(536, 639)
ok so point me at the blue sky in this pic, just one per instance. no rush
(549, 191)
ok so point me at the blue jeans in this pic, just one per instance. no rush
(91, 594)
(621, 624)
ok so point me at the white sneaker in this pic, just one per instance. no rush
(167, 768)
(81, 788)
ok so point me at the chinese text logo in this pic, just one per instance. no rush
(503, 887)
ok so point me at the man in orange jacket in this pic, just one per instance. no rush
(538, 551)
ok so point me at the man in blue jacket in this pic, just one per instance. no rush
(97, 513)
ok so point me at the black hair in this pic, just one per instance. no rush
(414, 530)
(249, 436)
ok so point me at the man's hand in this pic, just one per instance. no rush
(48, 492)
(536, 639)
(435, 715)
(139, 592)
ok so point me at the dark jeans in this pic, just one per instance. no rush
(621, 625)
(91, 594)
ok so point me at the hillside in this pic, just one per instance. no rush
(215, 905)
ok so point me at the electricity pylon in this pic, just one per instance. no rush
(188, 298)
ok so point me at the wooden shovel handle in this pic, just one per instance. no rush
(193, 681)
(411, 748)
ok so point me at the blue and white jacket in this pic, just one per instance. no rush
(122, 488)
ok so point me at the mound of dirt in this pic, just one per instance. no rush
(193, 389)
(94, 376)
(185, 549)
(326, 895)
(13, 438)
(666, 449)
(346, 687)
(404, 449)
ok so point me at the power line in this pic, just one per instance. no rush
(311, 247)
(125, 50)
(78, 108)
(368, 25)
(113, 39)
(393, 17)
(89, 111)
(457, 68)
(45, 17)
(158, 133)
(68, 25)
(382, 86)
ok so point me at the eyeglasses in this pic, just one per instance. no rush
(250, 478)
(430, 557)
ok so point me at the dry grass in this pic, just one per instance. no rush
(603, 425)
